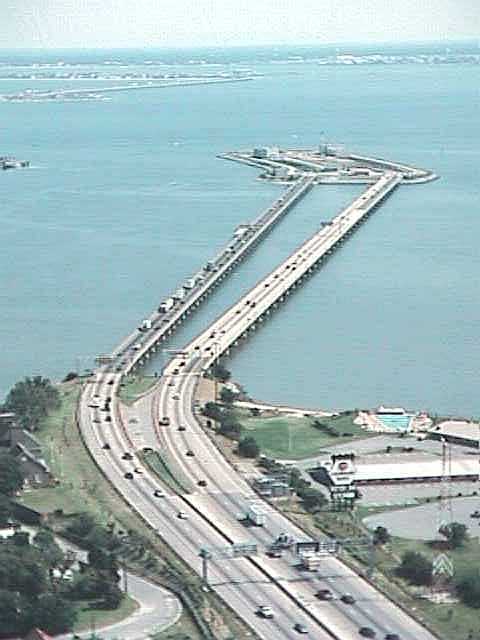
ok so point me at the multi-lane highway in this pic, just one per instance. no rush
(208, 516)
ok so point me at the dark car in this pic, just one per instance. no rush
(158, 494)
(129, 476)
(127, 456)
(108, 418)
(202, 483)
(274, 553)
(367, 632)
(324, 594)
(106, 446)
(147, 450)
(190, 453)
(392, 636)
(301, 628)
(181, 427)
(347, 599)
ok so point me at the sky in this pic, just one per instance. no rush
(50, 24)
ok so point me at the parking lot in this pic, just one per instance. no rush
(421, 523)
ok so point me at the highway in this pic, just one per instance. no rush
(212, 510)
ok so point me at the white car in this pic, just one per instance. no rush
(265, 612)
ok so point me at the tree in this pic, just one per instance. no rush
(230, 429)
(311, 498)
(381, 535)
(468, 588)
(248, 447)
(81, 526)
(213, 411)
(53, 613)
(228, 396)
(11, 479)
(44, 541)
(220, 372)
(416, 568)
(31, 400)
(12, 614)
(455, 533)
(5, 510)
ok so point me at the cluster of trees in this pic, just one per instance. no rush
(418, 569)
(100, 580)
(220, 372)
(312, 499)
(31, 400)
(11, 480)
(29, 595)
(229, 426)
(33, 595)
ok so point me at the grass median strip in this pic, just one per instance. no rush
(167, 470)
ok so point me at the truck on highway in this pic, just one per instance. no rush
(310, 561)
(283, 541)
(254, 516)
(190, 283)
(166, 305)
(179, 294)
(145, 326)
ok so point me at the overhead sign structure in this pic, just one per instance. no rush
(317, 546)
(103, 359)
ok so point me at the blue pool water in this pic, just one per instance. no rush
(399, 422)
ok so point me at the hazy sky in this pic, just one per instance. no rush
(158, 23)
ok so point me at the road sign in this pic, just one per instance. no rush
(316, 546)
(442, 565)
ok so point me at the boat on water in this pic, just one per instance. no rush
(13, 163)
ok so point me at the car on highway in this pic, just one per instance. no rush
(127, 456)
(138, 470)
(475, 514)
(392, 636)
(106, 446)
(347, 598)
(94, 405)
(274, 553)
(182, 515)
(108, 418)
(189, 453)
(147, 450)
(202, 483)
(324, 594)
(181, 427)
(96, 420)
(176, 396)
(158, 494)
(367, 632)
(300, 627)
(264, 611)
(128, 475)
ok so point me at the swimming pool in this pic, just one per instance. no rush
(396, 421)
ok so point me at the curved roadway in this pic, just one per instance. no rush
(212, 510)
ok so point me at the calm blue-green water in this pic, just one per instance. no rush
(126, 198)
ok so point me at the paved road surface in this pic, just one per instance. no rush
(158, 610)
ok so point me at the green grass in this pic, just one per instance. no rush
(295, 437)
(166, 469)
(134, 386)
(183, 629)
(88, 618)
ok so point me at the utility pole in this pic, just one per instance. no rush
(205, 556)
